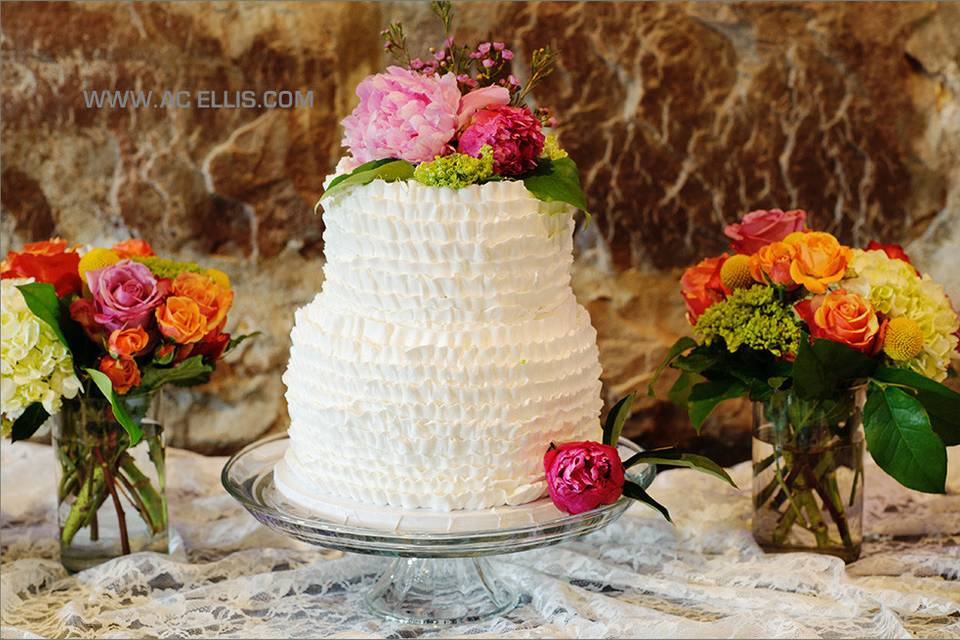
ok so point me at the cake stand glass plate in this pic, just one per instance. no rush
(436, 578)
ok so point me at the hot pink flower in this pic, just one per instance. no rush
(402, 114)
(125, 294)
(513, 132)
(757, 229)
(478, 99)
(583, 475)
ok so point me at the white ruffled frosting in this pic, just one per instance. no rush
(445, 352)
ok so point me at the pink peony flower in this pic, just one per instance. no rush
(402, 114)
(583, 475)
(479, 99)
(513, 132)
(759, 228)
(125, 294)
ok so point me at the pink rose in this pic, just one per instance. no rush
(479, 99)
(513, 133)
(759, 228)
(583, 475)
(402, 114)
(125, 294)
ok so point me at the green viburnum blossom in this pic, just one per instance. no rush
(164, 268)
(456, 170)
(754, 318)
(552, 149)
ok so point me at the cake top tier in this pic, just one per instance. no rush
(453, 118)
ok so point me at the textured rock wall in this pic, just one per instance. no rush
(681, 116)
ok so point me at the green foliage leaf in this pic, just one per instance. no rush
(184, 374)
(41, 299)
(682, 344)
(705, 396)
(900, 439)
(106, 388)
(942, 403)
(557, 181)
(236, 340)
(615, 419)
(388, 170)
(820, 368)
(29, 421)
(636, 492)
(670, 457)
(679, 393)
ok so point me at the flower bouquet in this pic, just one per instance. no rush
(824, 339)
(95, 334)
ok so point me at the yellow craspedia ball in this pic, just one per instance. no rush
(219, 277)
(735, 272)
(96, 259)
(903, 340)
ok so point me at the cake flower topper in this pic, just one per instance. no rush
(582, 476)
(454, 118)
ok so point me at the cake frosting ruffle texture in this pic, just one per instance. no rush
(445, 351)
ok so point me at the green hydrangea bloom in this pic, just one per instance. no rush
(165, 268)
(456, 170)
(552, 149)
(754, 318)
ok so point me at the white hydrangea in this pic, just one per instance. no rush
(34, 364)
(894, 289)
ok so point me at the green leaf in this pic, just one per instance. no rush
(679, 393)
(672, 458)
(389, 171)
(366, 166)
(106, 388)
(615, 419)
(29, 421)
(235, 341)
(557, 181)
(942, 403)
(636, 492)
(41, 299)
(820, 368)
(901, 441)
(705, 396)
(682, 344)
(184, 374)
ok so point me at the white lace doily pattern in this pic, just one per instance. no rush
(229, 577)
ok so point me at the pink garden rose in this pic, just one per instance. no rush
(479, 99)
(513, 133)
(759, 228)
(583, 475)
(125, 294)
(402, 114)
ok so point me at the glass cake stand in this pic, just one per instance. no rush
(435, 578)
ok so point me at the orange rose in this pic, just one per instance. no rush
(772, 263)
(133, 247)
(214, 301)
(179, 318)
(843, 317)
(701, 286)
(123, 373)
(127, 343)
(820, 260)
(46, 247)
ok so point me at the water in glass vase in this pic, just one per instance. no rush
(808, 473)
(110, 495)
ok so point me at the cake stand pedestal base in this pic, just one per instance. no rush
(434, 578)
(440, 591)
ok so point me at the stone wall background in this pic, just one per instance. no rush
(681, 116)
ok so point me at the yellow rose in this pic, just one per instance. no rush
(820, 260)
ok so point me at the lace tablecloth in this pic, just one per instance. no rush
(229, 577)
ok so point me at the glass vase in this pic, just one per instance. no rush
(808, 473)
(111, 497)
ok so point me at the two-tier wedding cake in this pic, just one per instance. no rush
(446, 351)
